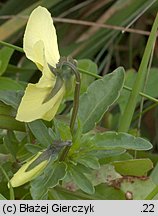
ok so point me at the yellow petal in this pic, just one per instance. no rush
(21, 176)
(47, 79)
(32, 106)
(40, 38)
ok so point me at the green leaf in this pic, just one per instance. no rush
(60, 193)
(51, 177)
(5, 109)
(81, 180)
(5, 55)
(2, 197)
(105, 174)
(99, 96)
(85, 147)
(11, 98)
(136, 188)
(134, 167)
(11, 143)
(89, 161)
(33, 148)
(121, 157)
(107, 153)
(9, 123)
(154, 174)
(104, 192)
(86, 65)
(5, 157)
(63, 129)
(40, 131)
(7, 113)
(153, 195)
(112, 140)
(10, 84)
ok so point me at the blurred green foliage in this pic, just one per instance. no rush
(100, 165)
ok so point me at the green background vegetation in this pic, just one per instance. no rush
(101, 164)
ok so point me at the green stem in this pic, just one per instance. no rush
(144, 88)
(12, 46)
(12, 197)
(130, 108)
(142, 94)
(152, 194)
(144, 111)
(76, 94)
(89, 73)
(75, 105)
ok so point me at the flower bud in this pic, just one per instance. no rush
(22, 176)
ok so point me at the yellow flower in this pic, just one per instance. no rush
(22, 176)
(41, 47)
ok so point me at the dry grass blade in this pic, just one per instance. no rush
(99, 25)
(102, 19)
